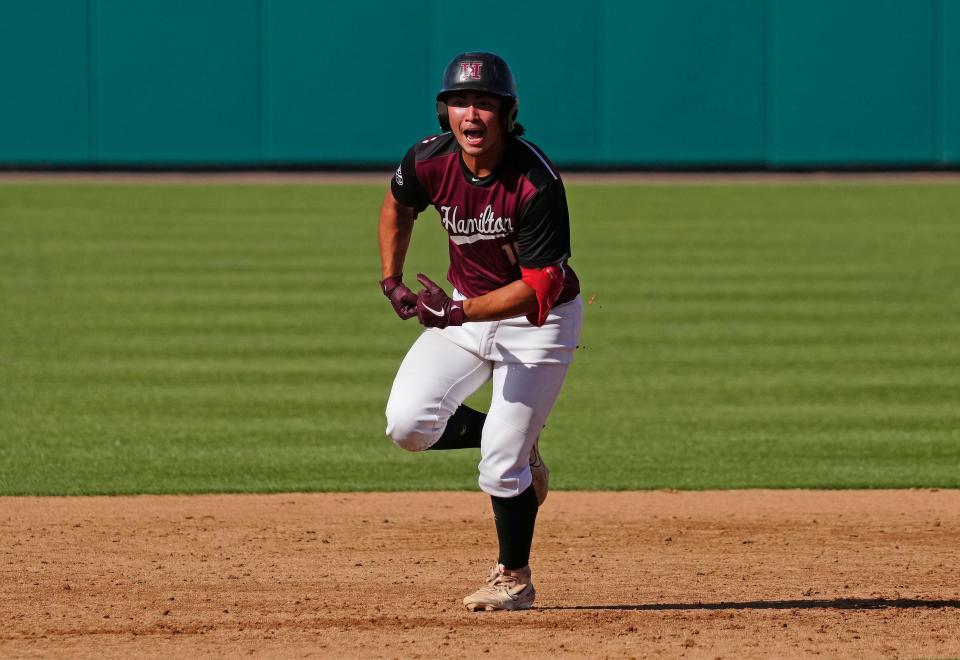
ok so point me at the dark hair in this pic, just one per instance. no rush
(518, 129)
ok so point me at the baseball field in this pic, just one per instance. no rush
(756, 452)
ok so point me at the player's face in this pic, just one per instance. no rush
(475, 121)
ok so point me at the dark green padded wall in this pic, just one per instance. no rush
(177, 81)
(344, 82)
(647, 83)
(948, 119)
(682, 81)
(848, 90)
(45, 82)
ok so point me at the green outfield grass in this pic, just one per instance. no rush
(226, 338)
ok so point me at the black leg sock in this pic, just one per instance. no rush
(515, 518)
(463, 429)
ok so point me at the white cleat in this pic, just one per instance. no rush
(504, 590)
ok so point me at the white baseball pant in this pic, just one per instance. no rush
(527, 365)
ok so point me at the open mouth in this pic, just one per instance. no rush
(474, 136)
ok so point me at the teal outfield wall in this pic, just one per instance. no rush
(640, 83)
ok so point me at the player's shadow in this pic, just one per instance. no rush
(825, 603)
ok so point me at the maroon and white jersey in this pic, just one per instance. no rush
(517, 216)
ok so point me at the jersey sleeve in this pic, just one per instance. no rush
(406, 187)
(543, 236)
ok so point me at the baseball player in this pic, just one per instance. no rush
(514, 312)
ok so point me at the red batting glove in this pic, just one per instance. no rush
(404, 300)
(435, 309)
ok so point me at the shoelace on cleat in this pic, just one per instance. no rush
(499, 582)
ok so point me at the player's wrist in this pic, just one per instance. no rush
(435, 308)
(458, 314)
(391, 282)
(403, 300)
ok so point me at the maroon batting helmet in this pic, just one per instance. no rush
(479, 72)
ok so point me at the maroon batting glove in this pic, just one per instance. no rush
(404, 300)
(435, 309)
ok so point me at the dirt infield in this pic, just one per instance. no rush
(700, 575)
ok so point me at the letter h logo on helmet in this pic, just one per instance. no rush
(470, 71)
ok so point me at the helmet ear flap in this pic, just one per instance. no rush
(443, 115)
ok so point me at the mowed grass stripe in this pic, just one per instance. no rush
(232, 338)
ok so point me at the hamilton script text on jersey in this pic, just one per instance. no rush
(487, 226)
